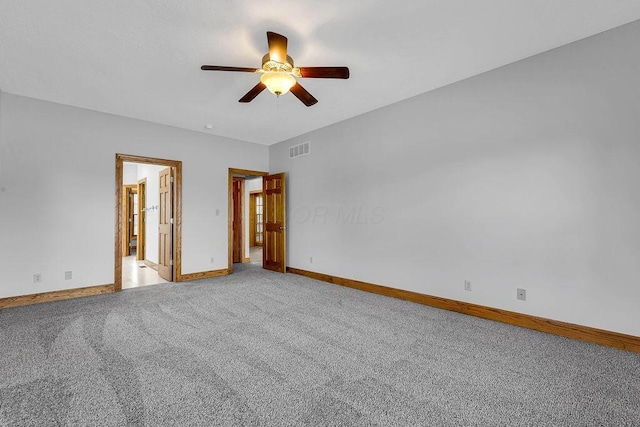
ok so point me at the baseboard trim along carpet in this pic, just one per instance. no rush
(55, 296)
(21, 300)
(569, 330)
(202, 275)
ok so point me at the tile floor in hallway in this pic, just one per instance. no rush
(255, 252)
(135, 273)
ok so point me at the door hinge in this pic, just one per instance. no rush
(171, 221)
(171, 179)
(171, 262)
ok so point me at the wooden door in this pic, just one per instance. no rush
(256, 216)
(142, 220)
(259, 219)
(275, 220)
(127, 218)
(252, 219)
(132, 207)
(165, 225)
(238, 245)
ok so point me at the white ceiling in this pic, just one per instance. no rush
(142, 58)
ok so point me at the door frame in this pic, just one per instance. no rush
(177, 213)
(243, 173)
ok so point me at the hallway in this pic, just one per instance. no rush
(136, 273)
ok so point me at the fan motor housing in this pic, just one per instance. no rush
(269, 65)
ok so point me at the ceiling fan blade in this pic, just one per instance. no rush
(277, 47)
(253, 93)
(325, 72)
(222, 68)
(302, 94)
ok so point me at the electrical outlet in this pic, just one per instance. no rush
(522, 294)
(467, 285)
(310, 260)
(37, 278)
(68, 275)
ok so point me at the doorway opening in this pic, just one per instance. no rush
(256, 222)
(257, 219)
(148, 221)
(243, 185)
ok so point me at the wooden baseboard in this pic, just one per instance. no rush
(55, 296)
(151, 264)
(202, 275)
(569, 330)
(92, 290)
(246, 260)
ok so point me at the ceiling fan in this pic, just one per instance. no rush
(279, 73)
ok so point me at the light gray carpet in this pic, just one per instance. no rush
(260, 348)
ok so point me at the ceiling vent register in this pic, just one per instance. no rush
(300, 150)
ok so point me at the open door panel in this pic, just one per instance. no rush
(274, 254)
(238, 241)
(165, 226)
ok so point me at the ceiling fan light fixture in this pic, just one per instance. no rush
(278, 82)
(278, 73)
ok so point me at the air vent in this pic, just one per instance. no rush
(300, 150)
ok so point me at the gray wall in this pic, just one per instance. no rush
(526, 176)
(129, 173)
(57, 198)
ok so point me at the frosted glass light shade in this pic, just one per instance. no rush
(278, 83)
